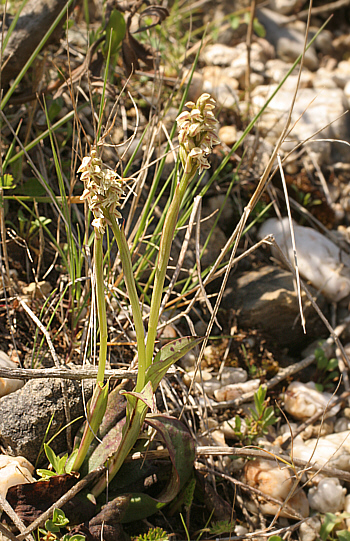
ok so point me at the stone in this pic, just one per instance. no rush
(347, 91)
(320, 260)
(196, 86)
(313, 111)
(222, 204)
(228, 135)
(277, 482)
(233, 375)
(310, 529)
(323, 42)
(286, 7)
(302, 401)
(14, 471)
(328, 496)
(266, 299)
(219, 54)
(235, 390)
(37, 290)
(341, 74)
(220, 86)
(324, 78)
(26, 414)
(288, 42)
(8, 385)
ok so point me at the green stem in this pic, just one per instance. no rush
(133, 297)
(162, 262)
(101, 307)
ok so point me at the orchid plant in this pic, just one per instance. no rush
(103, 191)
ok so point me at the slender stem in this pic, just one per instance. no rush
(101, 306)
(133, 297)
(162, 262)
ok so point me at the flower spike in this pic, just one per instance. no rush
(197, 133)
(102, 189)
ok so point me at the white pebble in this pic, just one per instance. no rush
(14, 471)
(341, 424)
(319, 259)
(277, 482)
(8, 385)
(310, 529)
(232, 375)
(230, 392)
(324, 449)
(303, 401)
(328, 496)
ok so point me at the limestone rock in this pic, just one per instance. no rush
(25, 416)
(288, 42)
(313, 111)
(320, 260)
(266, 299)
(8, 385)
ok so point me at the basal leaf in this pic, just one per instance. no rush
(181, 448)
(115, 32)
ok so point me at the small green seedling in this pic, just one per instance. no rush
(259, 420)
(153, 534)
(328, 368)
(53, 526)
(60, 465)
(329, 524)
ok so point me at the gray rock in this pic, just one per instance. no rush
(288, 42)
(219, 54)
(222, 87)
(25, 416)
(313, 111)
(265, 299)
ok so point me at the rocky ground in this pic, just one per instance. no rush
(274, 464)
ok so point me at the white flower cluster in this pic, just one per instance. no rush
(197, 133)
(103, 189)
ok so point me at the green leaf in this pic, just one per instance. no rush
(59, 517)
(168, 355)
(343, 535)
(275, 538)
(115, 32)
(32, 188)
(234, 21)
(330, 521)
(238, 423)
(50, 526)
(181, 448)
(61, 464)
(7, 182)
(332, 364)
(45, 474)
(70, 461)
(259, 29)
(146, 395)
(51, 457)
